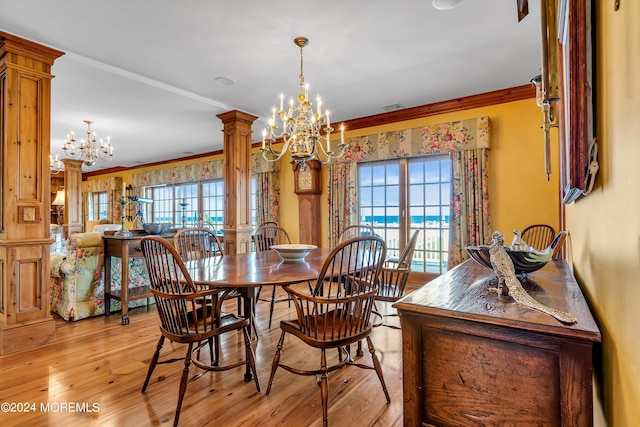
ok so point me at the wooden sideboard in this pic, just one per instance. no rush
(472, 357)
(124, 248)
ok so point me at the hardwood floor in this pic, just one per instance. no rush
(101, 364)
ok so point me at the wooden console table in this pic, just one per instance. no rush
(471, 357)
(123, 248)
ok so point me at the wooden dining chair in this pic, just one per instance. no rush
(538, 236)
(180, 305)
(394, 275)
(336, 312)
(356, 230)
(557, 244)
(270, 223)
(195, 243)
(264, 237)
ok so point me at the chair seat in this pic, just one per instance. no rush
(326, 333)
(227, 322)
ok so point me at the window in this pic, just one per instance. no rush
(420, 186)
(187, 204)
(254, 201)
(213, 203)
(98, 208)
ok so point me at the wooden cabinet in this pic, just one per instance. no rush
(124, 248)
(471, 357)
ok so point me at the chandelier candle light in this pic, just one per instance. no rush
(301, 127)
(88, 151)
(55, 165)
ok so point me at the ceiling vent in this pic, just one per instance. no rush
(392, 107)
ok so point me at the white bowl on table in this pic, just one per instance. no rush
(293, 252)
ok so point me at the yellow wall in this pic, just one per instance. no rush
(604, 228)
(519, 192)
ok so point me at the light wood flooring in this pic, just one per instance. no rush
(101, 364)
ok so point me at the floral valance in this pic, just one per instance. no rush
(448, 137)
(98, 185)
(212, 169)
(260, 165)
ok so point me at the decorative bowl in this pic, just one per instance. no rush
(524, 261)
(293, 252)
(156, 227)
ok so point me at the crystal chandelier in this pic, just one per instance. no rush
(88, 151)
(302, 128)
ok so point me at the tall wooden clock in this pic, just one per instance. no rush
(308, 188)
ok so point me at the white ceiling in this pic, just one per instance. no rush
(145, 71)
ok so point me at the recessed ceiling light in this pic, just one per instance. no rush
(226, 81)
(446, 4)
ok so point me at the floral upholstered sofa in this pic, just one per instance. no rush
(77, 278)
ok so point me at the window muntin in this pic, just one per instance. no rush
(98, 208)
(429, 198)
(418, 186)
(254, 201)
(187, 204)
(213, 203)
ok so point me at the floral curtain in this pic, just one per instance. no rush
(470, 223)
(343, 200)
(113, 187)
(451, 137)
(267, 188)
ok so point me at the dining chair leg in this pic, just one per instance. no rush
(376, 364)
(183, 384)
(324, 387)
(214, 348)
(153, 362)
(253, 326)
(251, 359)
(276, 361)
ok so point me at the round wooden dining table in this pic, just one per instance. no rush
(248, 271)
(253, 269)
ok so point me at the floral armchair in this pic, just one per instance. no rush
(77, 278)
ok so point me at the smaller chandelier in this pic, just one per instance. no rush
(55, 165)
(88, 151)
(302, 128)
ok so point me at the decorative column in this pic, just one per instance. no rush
(237, 181)
(25, 180)
(72, 219)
